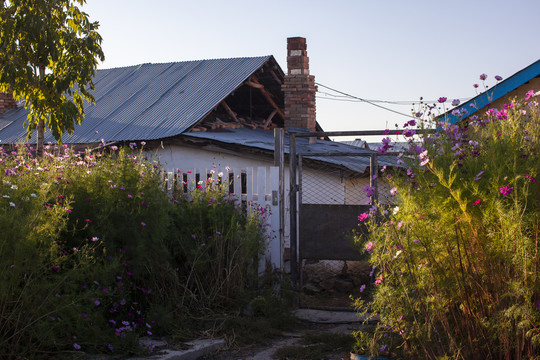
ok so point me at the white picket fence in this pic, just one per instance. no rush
(252, 186)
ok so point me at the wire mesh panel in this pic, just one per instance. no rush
(332, 187)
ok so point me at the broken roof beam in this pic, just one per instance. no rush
(269, 119)
(253, 82)
(229, 111)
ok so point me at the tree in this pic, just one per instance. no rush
(49, 51)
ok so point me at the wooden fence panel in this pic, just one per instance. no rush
(251, 187)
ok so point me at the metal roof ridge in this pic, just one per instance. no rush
(139, 65)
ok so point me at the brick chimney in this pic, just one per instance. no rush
(6, 102)
(299, 87)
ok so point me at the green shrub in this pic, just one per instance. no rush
(94, 254)
(457, 257)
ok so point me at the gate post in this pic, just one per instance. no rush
(293, 191)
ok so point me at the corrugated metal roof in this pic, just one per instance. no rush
(264, 139)
(147, 102)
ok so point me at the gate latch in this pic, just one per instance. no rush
(274, 198)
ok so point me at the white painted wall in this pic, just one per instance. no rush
(318, 187)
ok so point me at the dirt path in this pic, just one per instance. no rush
(313, 322)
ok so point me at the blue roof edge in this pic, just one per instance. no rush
(496, 92)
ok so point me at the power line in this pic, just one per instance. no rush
(364, 100)
(348, 97)
(392, 102)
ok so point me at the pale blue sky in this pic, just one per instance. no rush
(384, 50)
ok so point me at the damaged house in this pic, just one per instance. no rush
(219, 114)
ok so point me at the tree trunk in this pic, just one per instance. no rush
(41, 123)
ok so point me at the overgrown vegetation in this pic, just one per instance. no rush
(456, 260)
(95, 254)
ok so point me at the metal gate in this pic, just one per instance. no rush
(331, 184)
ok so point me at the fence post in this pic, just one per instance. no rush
(293, 191)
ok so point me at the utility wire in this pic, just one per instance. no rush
(348, 97)
(393, 102)
(364, 100)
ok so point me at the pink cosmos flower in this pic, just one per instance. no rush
(455, 102)
(362, 288)
(506, 190)
(363, 216)
(77, 346)
(378, 281)
(477, 202)
(530, 178)
(529, 94)
(483, 77)
(369, 246)
(442, 99)
(498, 78)
(475, 85)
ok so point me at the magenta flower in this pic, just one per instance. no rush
(442, 99)
(369, 190)
(409, 132)
(506, 190)
(530, 178)
(378, 281)
(369, 246)
(477, 202)
(498, 78)
(363, 216)
(77, 346)
(362, 288)
(483, 77)
(529, 94)
(143, 223)
(475, 85)
(455, 102)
